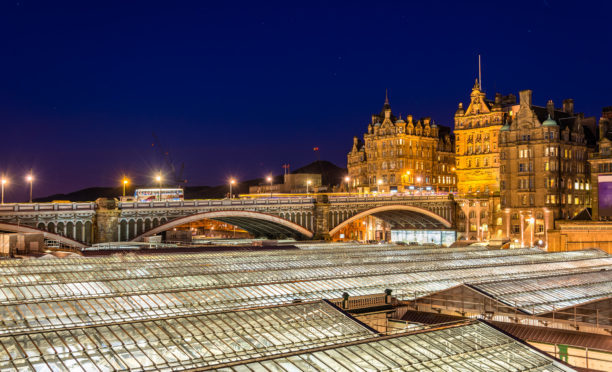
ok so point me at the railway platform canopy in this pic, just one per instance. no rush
(261, 310)
(314, 336)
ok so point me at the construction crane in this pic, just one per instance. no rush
(177, 178)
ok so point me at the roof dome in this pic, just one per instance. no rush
(377, 124)
(549, 122)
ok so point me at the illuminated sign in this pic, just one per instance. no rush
(605, 195)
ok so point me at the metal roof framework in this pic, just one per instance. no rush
(141, 288)
(564, 299)
(465, 347)
(181, 342)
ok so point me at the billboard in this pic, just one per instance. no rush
(605, 195)
(151, 195)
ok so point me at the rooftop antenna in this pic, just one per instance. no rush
(479, 73)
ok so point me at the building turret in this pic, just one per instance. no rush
(460, 111)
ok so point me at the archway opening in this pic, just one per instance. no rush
(233, 223)
(410, 225)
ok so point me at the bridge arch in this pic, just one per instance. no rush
(419, 217)
(9, 227)
(258, 223)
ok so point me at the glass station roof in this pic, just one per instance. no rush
(544, 294)
(175, 311)
(470, 347)
(92, 291)
(181, 342)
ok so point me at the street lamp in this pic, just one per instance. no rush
(308, 182)
(269, 179)
(231, 183)
(125, 182)
(378, 187)
(4, 181)
(348, 189)
(30, 179)
(159, 180)
(407, 178)
(418, 179)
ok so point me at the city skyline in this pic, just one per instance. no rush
(103, 91)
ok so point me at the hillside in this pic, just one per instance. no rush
(331, 175)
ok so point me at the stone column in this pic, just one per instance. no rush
(478, 230)
(522, 229)
(106, 221)
(322, 224)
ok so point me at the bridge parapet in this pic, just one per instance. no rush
(389, 198)
(44, 207)
(217, 203)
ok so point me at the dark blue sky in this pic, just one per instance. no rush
(240, 88)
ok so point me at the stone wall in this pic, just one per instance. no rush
(578, 235)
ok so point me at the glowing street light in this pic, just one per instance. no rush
(30, 179)
(348, 189)
(308, 182)
(231, 183)
(378, 185)
(159, 180)
(270, 179)
(125, 182)
(4, 181)
(531, 222)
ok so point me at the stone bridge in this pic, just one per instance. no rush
(316, 217)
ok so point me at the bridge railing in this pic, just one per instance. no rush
(217, 202)
(43, 207)
(373, 198)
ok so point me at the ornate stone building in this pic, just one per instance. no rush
(477, 131)
(402, 155)
(477, 142)
(544, 172)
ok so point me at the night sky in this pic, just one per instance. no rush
(238, 89)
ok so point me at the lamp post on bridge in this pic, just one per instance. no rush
(231, 183)
(270, 179)
(308, 182)
(159, 179)
(4, 181)
(348, 189)
(30, 179)
(125, 182)
(378, 186)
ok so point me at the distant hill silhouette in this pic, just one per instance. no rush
(331, 175)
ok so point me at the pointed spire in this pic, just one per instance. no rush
(476, 84)
(386, 96)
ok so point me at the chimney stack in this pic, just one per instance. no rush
(568, 106)
(550, 107)
(525, 97)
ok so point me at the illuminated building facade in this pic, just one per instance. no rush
(601, 170)
(543, 168)
(477, 129)
(477, 142)
(402, 156)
